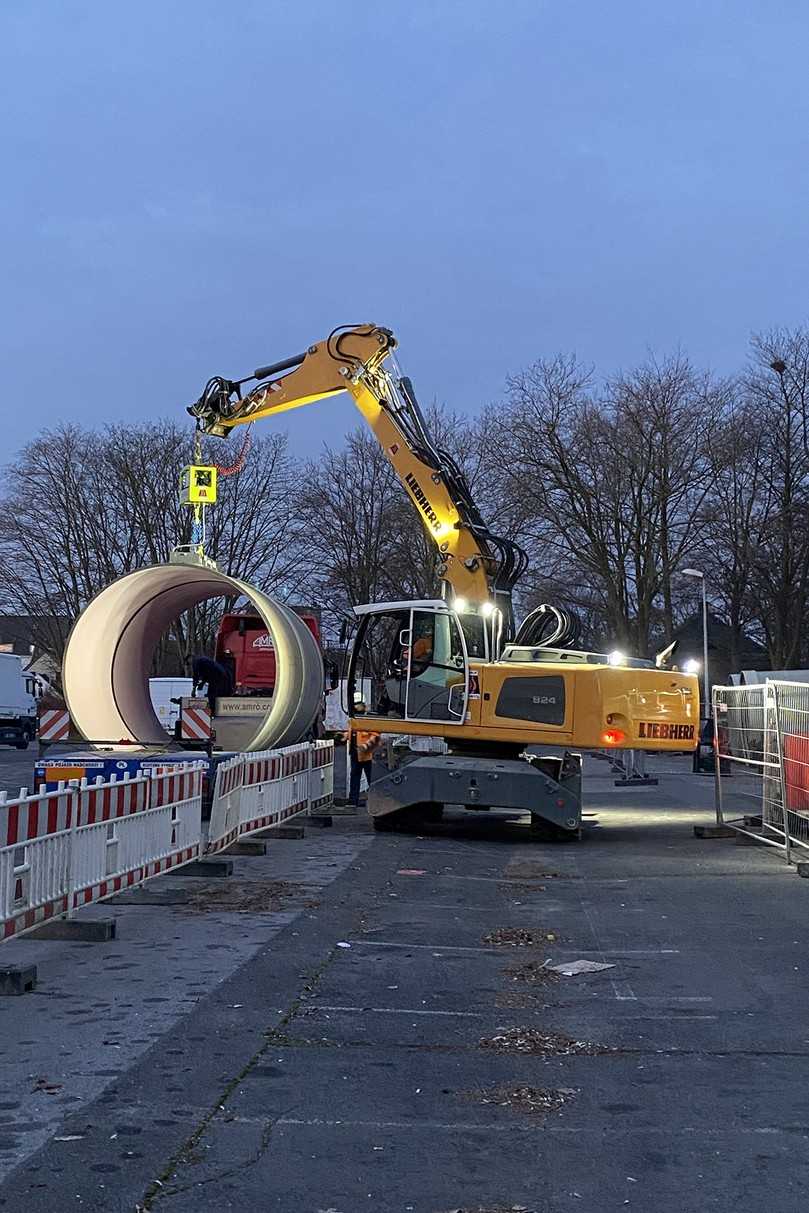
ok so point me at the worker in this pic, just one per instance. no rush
(216, 677)
(362, 745)
(420, 655)
(229, 662)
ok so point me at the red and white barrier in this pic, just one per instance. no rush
(83, 842)
(35, 857)
(256, 791)
(195, 720)
(321, 775)
(64, 849)
(134, 831)
(54, 725)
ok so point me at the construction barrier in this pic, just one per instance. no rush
(321, 778)
(64, 849)
(257, 790)
(82, 842)
(195, 720)
(762, 732)
(54, 725)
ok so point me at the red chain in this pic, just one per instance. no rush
(242, 458)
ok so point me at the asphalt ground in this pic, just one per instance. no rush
(17, 767)
(229, 1051)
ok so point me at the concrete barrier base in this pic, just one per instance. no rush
(85, 930)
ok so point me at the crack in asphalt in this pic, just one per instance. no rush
(160, 1187)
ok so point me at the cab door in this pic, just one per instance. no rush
(437, 666)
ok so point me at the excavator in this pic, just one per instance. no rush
(457, 666)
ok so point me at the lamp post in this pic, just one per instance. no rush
(705, 679)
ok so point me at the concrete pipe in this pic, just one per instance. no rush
(110, 649)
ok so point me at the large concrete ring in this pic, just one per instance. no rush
(106, 665)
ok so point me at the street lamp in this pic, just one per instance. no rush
(705, 679)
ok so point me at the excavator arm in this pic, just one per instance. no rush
(476, 565)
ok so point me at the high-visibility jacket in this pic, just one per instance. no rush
(363, 742)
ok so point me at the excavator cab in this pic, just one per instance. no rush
(415, 655)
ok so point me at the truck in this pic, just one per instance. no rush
(244, 646)
(18, 705)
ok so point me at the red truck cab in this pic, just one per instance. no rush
(244, 645)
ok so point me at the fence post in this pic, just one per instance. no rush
(771, 688)
(717, 774)
(74, 804)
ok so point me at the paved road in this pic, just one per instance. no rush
(17, 768)
(220, 1055)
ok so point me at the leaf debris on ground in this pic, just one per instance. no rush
(539, 1043)
(242, 897)
(492, 1209)
(536, 1101)
(527, 869)
(532, 973)
(518, 937)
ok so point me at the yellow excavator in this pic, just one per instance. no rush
(456, 666)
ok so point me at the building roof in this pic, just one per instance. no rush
(720, 637)
(42, 632)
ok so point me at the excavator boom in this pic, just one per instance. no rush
(475, 565)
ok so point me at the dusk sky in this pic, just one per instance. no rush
(195, 188)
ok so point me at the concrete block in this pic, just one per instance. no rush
(207, 867)
(283, 831)
(714, 832)
(745, 840)
(635, 783)
(247, 846)
(803, 870)
(17, 979)
(85, 930)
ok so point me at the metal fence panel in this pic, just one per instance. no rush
(762, 742)
(791, 705)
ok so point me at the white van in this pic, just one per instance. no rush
(18, 706)
(162, 691)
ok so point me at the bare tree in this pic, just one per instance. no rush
(82, 507)
(610, 489)
(776, 384)
(609, 492)
(365, 541)
(730, 546)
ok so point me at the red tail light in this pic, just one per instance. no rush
(612, 737)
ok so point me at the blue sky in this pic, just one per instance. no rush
(195, 188)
